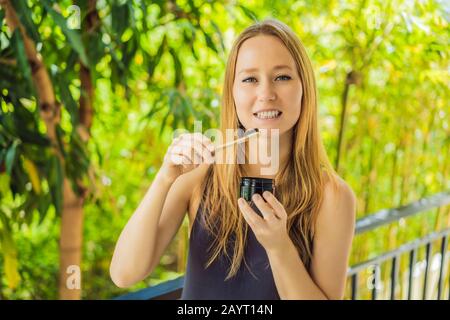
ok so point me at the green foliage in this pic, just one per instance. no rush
(159, 66)
(19, 52)
(72, 36)
(24, 13)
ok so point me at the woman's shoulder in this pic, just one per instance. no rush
(339, 200)
(334, 186)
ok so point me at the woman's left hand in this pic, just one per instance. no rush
(271, 230)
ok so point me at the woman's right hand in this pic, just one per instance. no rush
(186, 153)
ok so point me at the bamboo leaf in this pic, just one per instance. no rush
(190, 39)
(24, 14)
(154, 110)
(155, 61)
(21, 55)
(177, 65)
(43, 206)
(11, 156)
(19, 179)
(60, 139)
(210, 42)
(249, 13)
(56, 183)
(33, 174)
(28, 136)
(120, 15)
(163, 123)
(95, 48)
(2, 15)
(131, 47)
(9, 251)
(194, 9)
(219, 33)
(4, 183)
(10, 263)
(67, 99)
(72, 35)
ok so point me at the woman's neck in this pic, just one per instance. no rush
(284, 152)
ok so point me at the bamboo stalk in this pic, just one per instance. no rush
(86, 112)
(72, 208)
(352, 78)
(48, 107)
(72, 217)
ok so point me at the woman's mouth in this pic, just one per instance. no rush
(268, 114)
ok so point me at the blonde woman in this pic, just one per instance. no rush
(299, 247)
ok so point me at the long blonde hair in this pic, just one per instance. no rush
(299, 185)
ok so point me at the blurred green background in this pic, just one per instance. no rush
(125, 74)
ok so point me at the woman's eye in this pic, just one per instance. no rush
(285, 77)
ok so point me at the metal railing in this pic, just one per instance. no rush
(172, 289)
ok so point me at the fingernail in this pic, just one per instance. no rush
(256, 196)
(240, 201)
(266, 194)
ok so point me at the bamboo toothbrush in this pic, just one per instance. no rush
(247, 135)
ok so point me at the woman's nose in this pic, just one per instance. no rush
(266, 93)
(263, 99)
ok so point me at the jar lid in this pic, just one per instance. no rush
(256, 181)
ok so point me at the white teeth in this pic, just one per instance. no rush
(268, 114)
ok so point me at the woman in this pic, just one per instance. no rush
(299, 247)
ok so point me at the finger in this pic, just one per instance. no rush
(179, 159)
(184, 151)
(266, 210)
(205, 141)
(174, 154)
(206, 155)
(189, 152)
(203, 153)
(187, 149)
(276, 205)
(197, 158)
(173, 158)
(198, 137)
(182, 155)
(253, 219)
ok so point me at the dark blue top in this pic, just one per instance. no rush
(209, 283)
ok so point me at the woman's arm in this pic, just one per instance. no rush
(159, 215)
(133, 255)
(332, 244)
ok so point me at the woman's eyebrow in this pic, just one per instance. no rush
(282, 66)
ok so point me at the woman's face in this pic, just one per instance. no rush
(267, 90)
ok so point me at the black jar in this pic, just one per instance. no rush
(251, 185)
